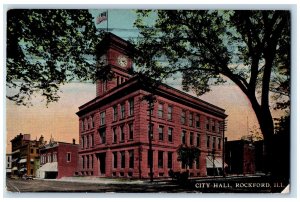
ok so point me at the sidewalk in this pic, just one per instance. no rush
(100, 180)
(103, 180)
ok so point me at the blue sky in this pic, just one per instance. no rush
(120, 22)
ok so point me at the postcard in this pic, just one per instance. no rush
(146, 101)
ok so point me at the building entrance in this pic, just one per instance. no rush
(102, 159)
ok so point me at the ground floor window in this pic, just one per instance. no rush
(160, 159)
(170, 159)
(131, 159)
(115, 159)
(122, 159)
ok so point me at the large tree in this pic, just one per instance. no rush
(250, 48)
(47, 48)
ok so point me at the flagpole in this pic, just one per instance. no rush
(107, 21)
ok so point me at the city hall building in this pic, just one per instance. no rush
(114, 126)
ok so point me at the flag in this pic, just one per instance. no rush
(102, 17)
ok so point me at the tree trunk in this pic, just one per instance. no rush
(266, 124)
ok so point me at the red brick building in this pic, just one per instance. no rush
(240, 157)
(57, 160)
(114, 126)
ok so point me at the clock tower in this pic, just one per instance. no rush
(116, 54)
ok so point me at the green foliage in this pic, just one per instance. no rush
(250, 48)
(47, 48)
(282, 125)
(188, 155)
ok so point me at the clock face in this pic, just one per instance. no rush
(122, 61)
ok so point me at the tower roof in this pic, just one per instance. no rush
(111, 40)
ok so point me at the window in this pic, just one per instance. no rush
(198, 140)
(207, 124)
(122, 159)
(92, 140)
(118, 80)
(170, 159)
(183, 136)
(115, 159)
(102, 118)
(150, 158)
(131, 159)
(93, 122)
(191, 138)
(82, 142)
(197, 121)
(86, 124)
(49, 158)
(217, 127)
(214, 143)
(31, 151)
(130, 126)
(122, 111)
(82, 125)
(170, 134)
(191, 119)
(160, 111)
(68, 157)
(170, 113)
(208, 141)
(197, 163)
(131, 106)
(160, 159)
(102, 136)
(219, 143)
(213, 126)
(83, 166)
(55, 157)
(92, 161)
(183, 117)
(87, 141)
(161, 133)
(115, 112)
(122, 134)
(150, 130)
(114, 135)
(150, 110)
(87, 162)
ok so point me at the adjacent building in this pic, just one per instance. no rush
(114, 128)
(8, 164)
(240, 157)
(25, 155)
(58, 159)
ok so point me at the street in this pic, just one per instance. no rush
(212, 185)
(18, 185)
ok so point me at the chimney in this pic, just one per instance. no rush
(73, 141)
